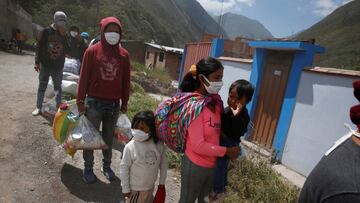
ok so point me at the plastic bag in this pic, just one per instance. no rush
(72, 66)
(70, 77)
(85, 136)
(49, 108)
(123, 129)
(49, 93)
(69, 87)
(65, 119)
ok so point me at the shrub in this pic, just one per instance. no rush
(140, 102)
(257, 182)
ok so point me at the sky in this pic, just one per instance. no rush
(282, 18)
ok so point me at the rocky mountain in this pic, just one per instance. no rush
(237, 25)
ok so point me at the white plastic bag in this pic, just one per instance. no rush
(49, 108)
(85, 136)
(123, 129)
(72, 66)
(70, 77)
(69, 87)
(49, 93)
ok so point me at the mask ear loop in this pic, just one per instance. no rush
(343, 138)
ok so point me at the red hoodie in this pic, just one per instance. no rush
(105, 70)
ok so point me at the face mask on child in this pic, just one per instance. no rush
(139, 134)
(73, 33)
(112, 37)
(214, 87)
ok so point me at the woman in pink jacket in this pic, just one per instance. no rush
(203, 133)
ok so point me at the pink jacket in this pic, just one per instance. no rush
(203, 139)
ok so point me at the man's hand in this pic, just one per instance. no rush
(79, 38)
(127, 195)
(123, 109)
(37, 67)
(81, 107)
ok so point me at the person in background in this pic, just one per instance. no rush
(20, 39)
(143, 158)
(336, 178)
(50, 57)
(77, 44)
(203, 133)
(103, 91)
(86, 38)
(234, 122)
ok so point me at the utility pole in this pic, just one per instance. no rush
(220, 20)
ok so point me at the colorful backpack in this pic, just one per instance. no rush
(174, 116)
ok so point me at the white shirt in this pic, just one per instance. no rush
(142, 160)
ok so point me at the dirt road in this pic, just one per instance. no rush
(32, 167)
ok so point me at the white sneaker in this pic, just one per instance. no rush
(36, 112)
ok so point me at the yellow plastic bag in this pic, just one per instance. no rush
(64, 121)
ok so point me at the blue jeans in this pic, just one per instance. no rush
(44, 75)
(221, 169)
(107, 113)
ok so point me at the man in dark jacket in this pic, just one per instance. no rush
(77, 44)
(50, 58)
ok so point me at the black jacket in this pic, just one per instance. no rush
(77, 48)
(234, 127)
(51, 48)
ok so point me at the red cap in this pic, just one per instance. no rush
(356, 86)
(355, 115)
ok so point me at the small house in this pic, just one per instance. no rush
(164, 58)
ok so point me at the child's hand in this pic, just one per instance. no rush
(238, 109)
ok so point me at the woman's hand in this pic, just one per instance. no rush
(233, 152)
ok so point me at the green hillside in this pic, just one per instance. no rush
(166, 22)
(340, 34)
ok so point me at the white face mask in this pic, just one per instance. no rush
(139, 134)
(112, 37)
(214, 87)
(73, 33)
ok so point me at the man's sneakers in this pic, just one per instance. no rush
(36, 112)
(89, 176)
(108, 173)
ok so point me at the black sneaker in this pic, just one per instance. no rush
(108, 173)
(89, 176)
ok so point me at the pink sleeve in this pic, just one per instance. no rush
(197, 141)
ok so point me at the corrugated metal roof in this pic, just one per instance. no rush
(335, 71)
(166, 48)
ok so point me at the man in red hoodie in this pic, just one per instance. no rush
(105, 85)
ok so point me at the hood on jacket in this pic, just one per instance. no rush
(104, 23)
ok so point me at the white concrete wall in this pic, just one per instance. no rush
(322, 106)
(233, 71)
